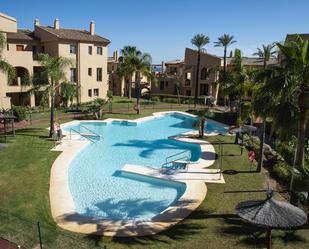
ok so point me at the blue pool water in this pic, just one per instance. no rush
(100, 190)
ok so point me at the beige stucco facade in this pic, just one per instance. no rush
(183, 72)
(23, 47)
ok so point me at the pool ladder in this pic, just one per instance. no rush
(177, 162)
(91, 136)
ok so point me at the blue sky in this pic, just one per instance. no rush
(165, 27)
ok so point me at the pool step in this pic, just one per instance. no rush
(205, 175)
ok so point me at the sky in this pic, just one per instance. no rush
(164, 28)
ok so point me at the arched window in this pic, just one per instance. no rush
(21, 77)
(204, 73)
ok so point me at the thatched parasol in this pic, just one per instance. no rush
(271, 213)
(243, 129)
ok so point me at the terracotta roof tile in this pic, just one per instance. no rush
(75, 34)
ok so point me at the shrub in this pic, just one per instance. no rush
(282, 171)
(286, 151)
(20, 112)
(155, 98)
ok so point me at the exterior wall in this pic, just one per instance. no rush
(169, 86)
(207, 61)
(16, 58)
(54, 47)
(185, 73)
(7, 23)
(93, 61)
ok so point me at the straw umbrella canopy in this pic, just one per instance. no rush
(243, 129)
(271, 214)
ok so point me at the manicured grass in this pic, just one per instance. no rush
(24, 183)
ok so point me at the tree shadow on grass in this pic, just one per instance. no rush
(254, 236)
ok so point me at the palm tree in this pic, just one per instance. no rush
(224, 41)
(295, 63)
(54, 70)
(140, 64)
(68, 91)
(201, 122)
(125, 70)
(4, 65)
(285, 93)
(199, 41)
(264, 53)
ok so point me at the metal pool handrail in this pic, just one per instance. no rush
(96, 134)
(164, 165)
(87, 136)
(177, 154)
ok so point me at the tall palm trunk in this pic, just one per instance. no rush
(138, 91)
(197, 76)
(301, 131)
(224, 76)
(52, 110)
(130, 87)
(261, 148)
(202, 127)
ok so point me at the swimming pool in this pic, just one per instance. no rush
(100, 190)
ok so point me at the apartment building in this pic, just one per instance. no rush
(87, 50)
(183, 73)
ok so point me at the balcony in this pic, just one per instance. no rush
(187, 82)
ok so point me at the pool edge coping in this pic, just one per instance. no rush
(63, 208)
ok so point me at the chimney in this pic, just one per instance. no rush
(92, 27)
(116, 55)
(36, 22)
(56, 23)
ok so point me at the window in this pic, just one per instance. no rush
(19, 47)
(204, 73)
(89, 71)
(7, 47)
(89, 92)
(72, 49)
(99, 74)
(188, 75)
(73, 74)
(99, 50)
(96, 92)
(173, 70)
(89, 49)
(204, 89)
(188, 92)
(161, 85)
(166, 83)
(43, 49)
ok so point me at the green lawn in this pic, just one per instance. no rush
(24, 184)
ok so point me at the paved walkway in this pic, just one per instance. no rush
(5, 244)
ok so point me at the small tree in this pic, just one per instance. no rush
(201, 121)
(96, 107)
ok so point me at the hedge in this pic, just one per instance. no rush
(174, 98)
